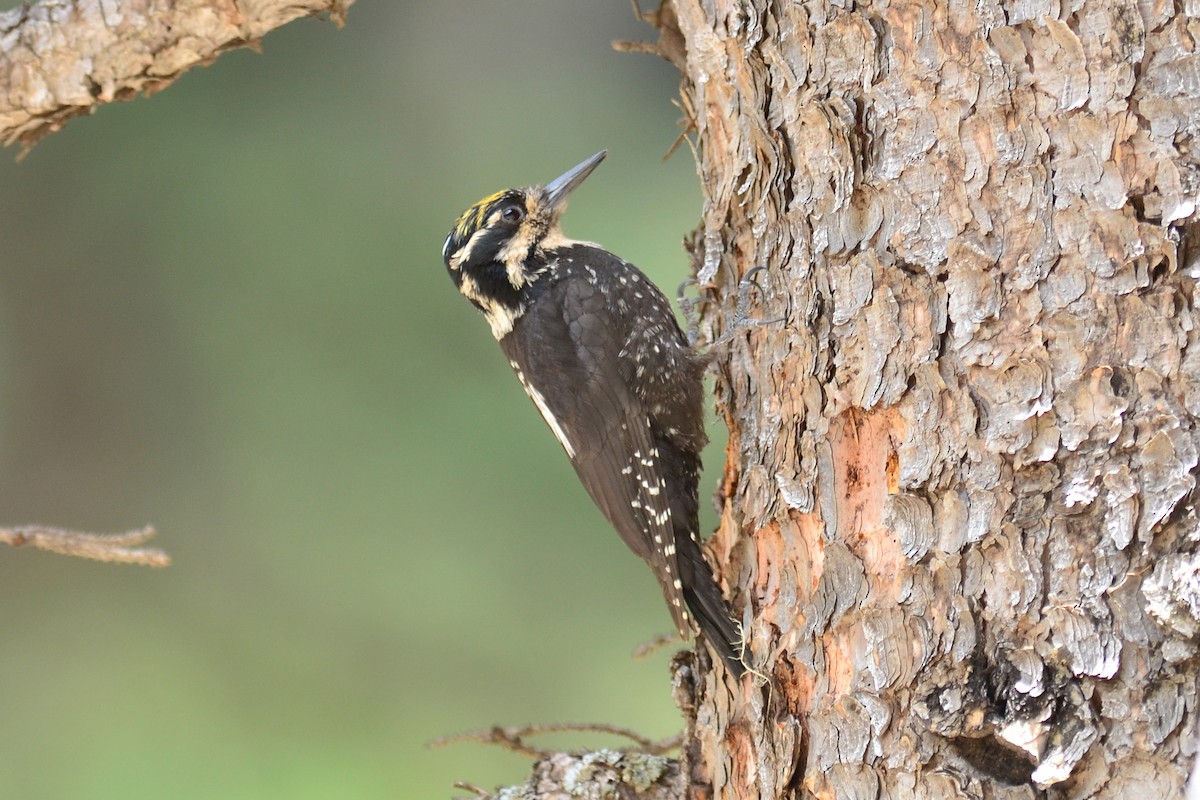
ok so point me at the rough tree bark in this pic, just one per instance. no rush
(959, 498)
(959, 503)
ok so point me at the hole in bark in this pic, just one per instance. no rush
(1158, 270)
(1138, 203)
(1119, 383)
(989, 755)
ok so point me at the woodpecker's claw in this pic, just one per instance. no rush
(750, 279)
(741, 313)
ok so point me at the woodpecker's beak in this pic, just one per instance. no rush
(558, 189)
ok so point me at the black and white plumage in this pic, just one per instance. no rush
(597, 348)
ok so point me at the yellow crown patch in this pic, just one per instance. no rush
(473, 218)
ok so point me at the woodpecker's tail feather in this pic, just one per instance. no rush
(722, 633)
(704, 600)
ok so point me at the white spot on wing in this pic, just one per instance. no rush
(547, 414)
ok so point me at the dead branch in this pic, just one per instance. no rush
(116, 548)
(63, 58)
(514, 738)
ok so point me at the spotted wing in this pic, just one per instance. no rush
(565, 350)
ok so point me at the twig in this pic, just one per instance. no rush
(116, 548)
(513, 738)
(649, 648)
(472, 788)
(508, 738)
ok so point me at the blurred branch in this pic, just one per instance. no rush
(117, 548)
(514, 738)
(63, 58)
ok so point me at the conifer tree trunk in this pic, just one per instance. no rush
(959, 504)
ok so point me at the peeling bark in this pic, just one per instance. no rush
(63, 58)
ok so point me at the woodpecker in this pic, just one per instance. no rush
(597, 348)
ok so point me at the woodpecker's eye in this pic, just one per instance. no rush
(513, 214)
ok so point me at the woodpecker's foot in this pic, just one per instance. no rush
(741, 312)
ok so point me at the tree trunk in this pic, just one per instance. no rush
(958, 508)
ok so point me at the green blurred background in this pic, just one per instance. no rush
(223, 311)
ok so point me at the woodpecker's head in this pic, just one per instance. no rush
(497, 248)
